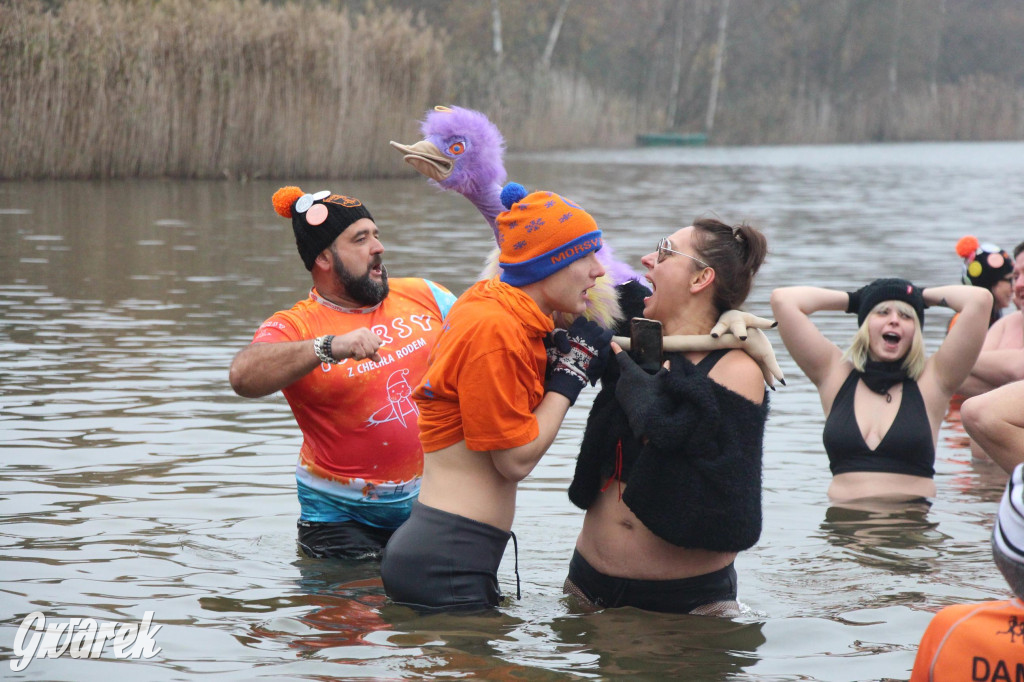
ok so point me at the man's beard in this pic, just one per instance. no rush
(363, 290)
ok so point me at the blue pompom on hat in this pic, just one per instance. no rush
(511, 193)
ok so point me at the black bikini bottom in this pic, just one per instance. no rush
(682, 595)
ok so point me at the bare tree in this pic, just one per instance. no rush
(933, 75)
(556, 28)
(677, 68)
(723, 23)
(894, 56)
(499, 54)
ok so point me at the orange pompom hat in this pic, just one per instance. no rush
(317, 219)
(540, 234)
(984, 264)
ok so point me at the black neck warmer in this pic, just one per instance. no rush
(881, 376)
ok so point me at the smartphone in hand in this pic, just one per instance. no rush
(646, 343)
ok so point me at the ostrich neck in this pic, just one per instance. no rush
(488, 201)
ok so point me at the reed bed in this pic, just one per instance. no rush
(555, 111)
(243, 89)
(207, 89)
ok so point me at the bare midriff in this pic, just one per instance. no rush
(615, 542)
(857, 485)
(465, 482)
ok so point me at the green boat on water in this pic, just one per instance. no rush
(671, 139)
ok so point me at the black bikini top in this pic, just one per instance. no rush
(907, 448)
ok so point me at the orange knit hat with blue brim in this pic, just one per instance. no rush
(541, 233)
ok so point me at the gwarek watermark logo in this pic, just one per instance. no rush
(82, 638)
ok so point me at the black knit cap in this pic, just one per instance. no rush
(985, 265)
(317, 219)
(888, 289)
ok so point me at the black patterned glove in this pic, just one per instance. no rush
(576, 357)
(556, 343)
(636, 391)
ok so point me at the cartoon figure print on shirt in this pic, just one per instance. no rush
(400, 404)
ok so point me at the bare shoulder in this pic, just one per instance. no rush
(1009, 330)
(741, 374)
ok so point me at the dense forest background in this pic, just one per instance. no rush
(288, 88)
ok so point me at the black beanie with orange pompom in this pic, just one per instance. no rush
(984, 264)
(317, 219)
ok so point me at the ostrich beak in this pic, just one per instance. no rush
(426, 158)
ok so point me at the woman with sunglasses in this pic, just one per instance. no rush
(669, 471)
(884, 399)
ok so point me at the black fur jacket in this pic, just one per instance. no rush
(696, 482)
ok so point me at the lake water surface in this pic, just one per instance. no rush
(134, 480)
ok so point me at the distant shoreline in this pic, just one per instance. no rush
(244, 90)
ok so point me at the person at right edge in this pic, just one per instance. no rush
(669, 470)
(983, 641)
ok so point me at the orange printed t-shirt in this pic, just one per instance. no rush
(486, 373)
(357, 418)
(973, 642)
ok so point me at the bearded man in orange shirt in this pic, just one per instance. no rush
(347, 358)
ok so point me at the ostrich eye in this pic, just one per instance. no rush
(456, 148)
